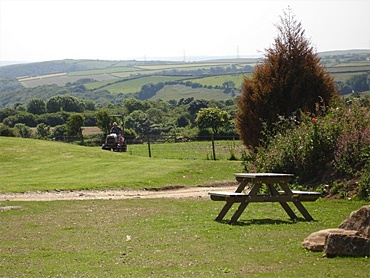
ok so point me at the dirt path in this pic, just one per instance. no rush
(166, 192)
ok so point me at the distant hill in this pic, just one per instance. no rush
(112, 81)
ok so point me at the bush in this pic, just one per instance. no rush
(364, 185)
(334, 144)
(6, 131)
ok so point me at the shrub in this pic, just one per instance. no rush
(334, 144)
(364, 185)
(22, 130)
(353, 151)
(6, 131)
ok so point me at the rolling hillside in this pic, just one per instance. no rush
(112, 81)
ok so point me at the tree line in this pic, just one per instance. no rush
(55, 117)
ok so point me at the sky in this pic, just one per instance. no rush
(44, 30)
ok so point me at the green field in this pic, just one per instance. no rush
(180, 91)
(134, 85)
(220, 79)
(127, 78)
(150, 237)
(28, 164)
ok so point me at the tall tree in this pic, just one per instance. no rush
(213, 118)
(290, 79)
(74, 124)
(103, 120)
(36, 106)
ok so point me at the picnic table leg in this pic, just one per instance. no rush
(303, 210)
(253, 192)
(224, 210)
(238, 212)
(284, 205)
(242, 184)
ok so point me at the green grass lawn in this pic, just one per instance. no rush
(150, 237)
(28, 164)
(166, 238)
(190, 150)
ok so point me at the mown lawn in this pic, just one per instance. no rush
(166, 238)
(27, 164)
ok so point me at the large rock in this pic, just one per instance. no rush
(316, 241)
(346, 245)
(358, 220)
(352, 238)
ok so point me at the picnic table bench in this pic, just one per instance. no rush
(272, 182)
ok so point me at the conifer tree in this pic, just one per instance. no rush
(289, 79)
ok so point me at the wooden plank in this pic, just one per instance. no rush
(303, 211)
(258, 177)
(305, 196)
(284, 205)
(224, 210)
(226, 194)
(238, 212)
(261, 175)
(240, 197)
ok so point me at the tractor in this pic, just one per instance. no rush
(115, 140)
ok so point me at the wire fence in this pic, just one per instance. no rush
(172, 146)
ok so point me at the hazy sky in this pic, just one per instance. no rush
(45, 30)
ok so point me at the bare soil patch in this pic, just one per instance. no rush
(114, 194)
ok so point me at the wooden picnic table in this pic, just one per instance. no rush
(273, 181)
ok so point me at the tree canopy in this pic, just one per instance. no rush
(289, 79)
(213, 118)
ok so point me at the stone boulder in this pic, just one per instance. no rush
(316, 241)
(351, 238)
(358, 220)
(346, 245)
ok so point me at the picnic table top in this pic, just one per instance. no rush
(260, 175)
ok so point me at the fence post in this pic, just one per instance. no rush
(149, 151)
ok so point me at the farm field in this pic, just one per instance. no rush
(113, 81)
(111, 70)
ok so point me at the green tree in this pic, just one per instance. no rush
(36, 106)
(64, 103)
(132, 104)
(213, 118)
(21, 117)
(6, 131)
(359, 83)
(290, 79)
(59, 131)
(42, 130)
(22, 130)
(139, 122)
(74, 125)
(103, 120)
